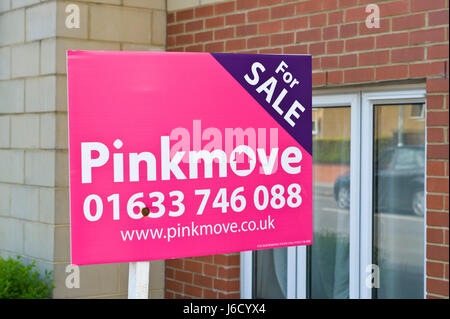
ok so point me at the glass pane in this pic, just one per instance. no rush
(329, 255)
(399, 174)
(270, 273)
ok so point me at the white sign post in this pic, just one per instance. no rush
(138, 280)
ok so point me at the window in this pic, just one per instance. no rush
(367, 150)
(328, 257)
(409, 157)
(417, 111)
(398, 202)
(270, 277)
(314, 128)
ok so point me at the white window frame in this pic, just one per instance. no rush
(368, 101)
(361, 139)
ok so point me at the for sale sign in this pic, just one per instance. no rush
(187, 154)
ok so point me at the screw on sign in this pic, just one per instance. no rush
(145, 211)
(151, 184)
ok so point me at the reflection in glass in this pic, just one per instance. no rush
(270, 273)
(399, 197)
(329, 255)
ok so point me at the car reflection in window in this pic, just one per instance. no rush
(399, 175)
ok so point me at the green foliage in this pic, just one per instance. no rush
(19, 281)
(331, 150)
(337, 150)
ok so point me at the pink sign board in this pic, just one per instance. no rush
(187, 154)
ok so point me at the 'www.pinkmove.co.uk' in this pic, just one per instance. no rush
(195, 230)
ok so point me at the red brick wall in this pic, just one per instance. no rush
(411, 43)
(209, 277)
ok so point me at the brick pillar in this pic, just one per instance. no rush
(437, 235)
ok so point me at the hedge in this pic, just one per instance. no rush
(19, 281)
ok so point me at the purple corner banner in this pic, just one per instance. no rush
(238, 65)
